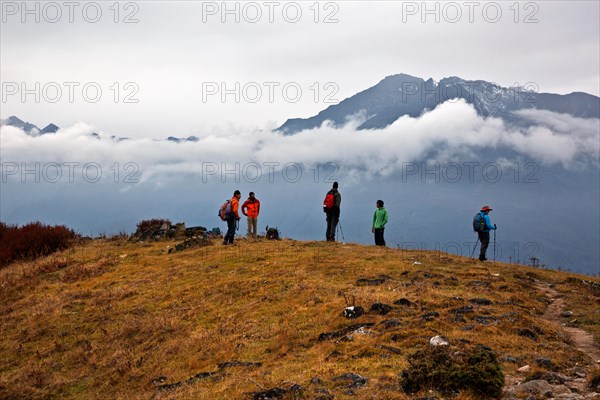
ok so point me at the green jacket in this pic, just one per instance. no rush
(380, 218)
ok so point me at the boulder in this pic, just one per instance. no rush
(438, 341)
(195, 231)
(403, 302)
(350, 380)
(481, 302)
(353, 312)
(195, 241)
(379, 280)
(154, 229)
(536, 388)
(380, 308)
(430, 315)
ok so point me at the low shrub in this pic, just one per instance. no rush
(32, 240)
(449, 370)
(155, 223)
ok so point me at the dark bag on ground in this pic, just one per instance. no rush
(272, 234)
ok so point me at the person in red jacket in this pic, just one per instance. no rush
(232, 217)
(251, 209)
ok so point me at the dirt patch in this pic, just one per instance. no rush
(583, 340)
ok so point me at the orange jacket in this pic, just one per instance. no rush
(235, 205)
(251, 208)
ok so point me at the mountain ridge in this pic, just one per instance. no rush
(402, 94)
(33, 130)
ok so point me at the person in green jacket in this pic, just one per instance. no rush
(380, 218)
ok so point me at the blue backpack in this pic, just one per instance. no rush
(478, 223)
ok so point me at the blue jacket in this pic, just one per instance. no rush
(488, 223)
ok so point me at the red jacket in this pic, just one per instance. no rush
(251, 208)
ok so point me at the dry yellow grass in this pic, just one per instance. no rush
(115, 320)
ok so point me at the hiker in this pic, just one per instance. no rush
(250, 209)
(380, 218)
(232, 218)
(331, 206)
(482, 225)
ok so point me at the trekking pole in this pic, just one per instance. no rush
(474, 247)
(341, 230)
(495, 242)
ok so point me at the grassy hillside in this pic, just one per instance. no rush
(111, 319)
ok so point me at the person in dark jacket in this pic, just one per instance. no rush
(484, 234)
(251, 209)
(232, 217)
(380, 218)
(333, 212)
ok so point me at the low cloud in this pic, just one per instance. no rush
(451, 132)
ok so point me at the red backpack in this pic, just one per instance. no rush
(329, 202)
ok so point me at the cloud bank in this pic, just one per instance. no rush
(453, 132)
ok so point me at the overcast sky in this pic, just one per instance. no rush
(174, 58)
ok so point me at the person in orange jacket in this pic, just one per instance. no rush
(251, 209)
(232, 217)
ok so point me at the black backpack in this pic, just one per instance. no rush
(478, 223)
(272, 233)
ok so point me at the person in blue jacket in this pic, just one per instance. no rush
(484, 233)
